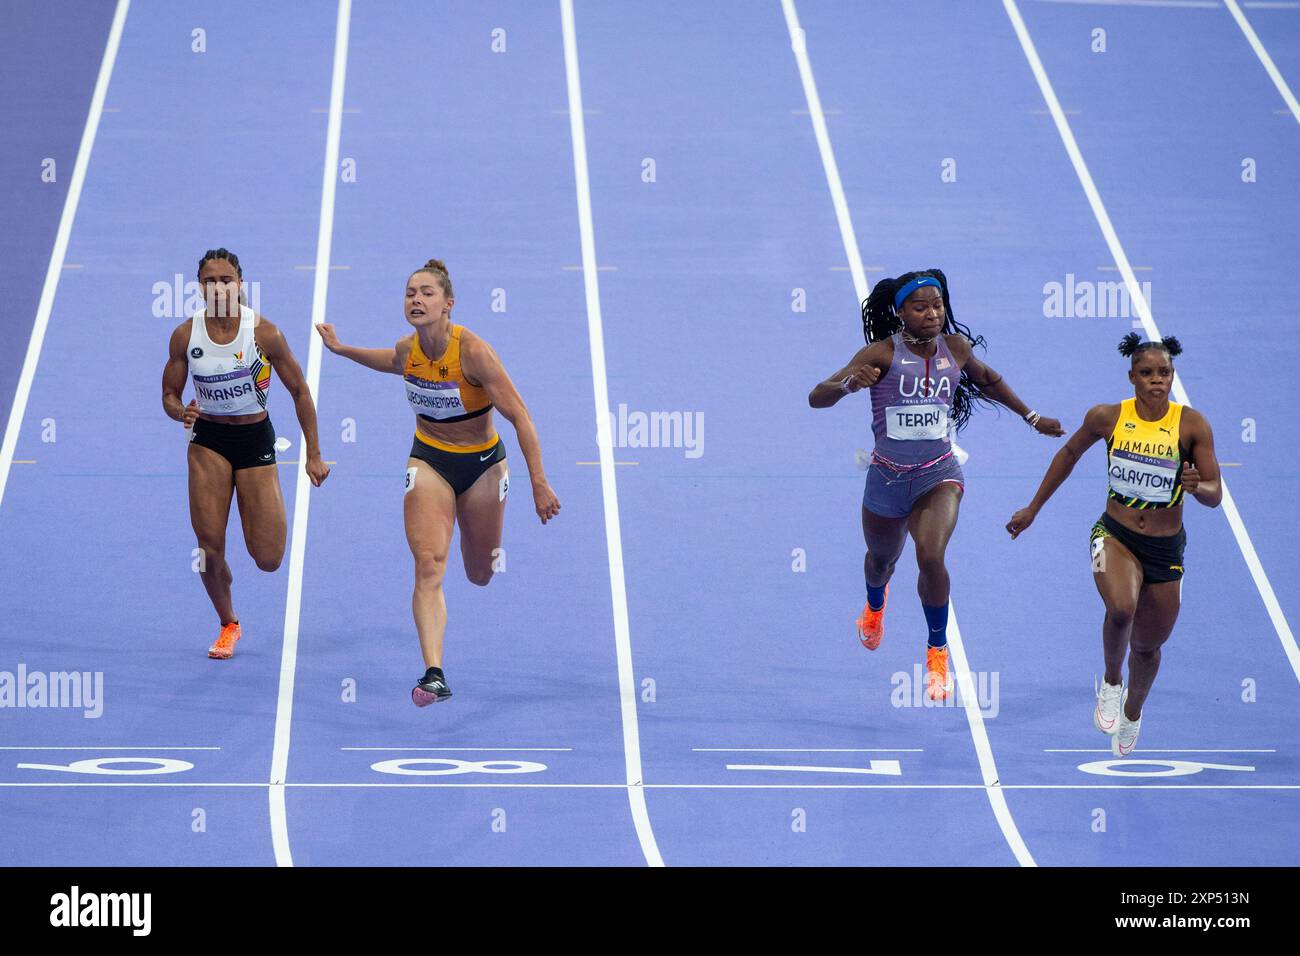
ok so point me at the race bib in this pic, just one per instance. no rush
(224, 394)
(434, 399)
(916, 422)
(1141, 476)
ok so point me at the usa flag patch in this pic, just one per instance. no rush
(942, 364)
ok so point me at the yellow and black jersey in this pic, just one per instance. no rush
(437, 389)
(1144, 460)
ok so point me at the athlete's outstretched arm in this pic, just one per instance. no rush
(381, 360)
(1200, 475)
(174, 374)
(1096, 426)
(480, 362)
(271, 341)
(863, 371)
(994, 386)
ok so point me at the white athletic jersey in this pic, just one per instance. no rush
(230, 379)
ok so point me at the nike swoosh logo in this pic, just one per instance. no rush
(266, 458)
(485, 457)
(906, 362)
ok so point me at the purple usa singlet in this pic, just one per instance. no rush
(911, 405)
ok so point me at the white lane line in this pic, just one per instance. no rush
(97, 749)
(1144, 750)
(988, 768)
(799, 43)
(888, 768)
(302, 491)
(512, 750)
(609, 490)
(1194, 4)
(1273, 73)
(808, 750)
(1284, 634)
(60, 250)
(687, 786)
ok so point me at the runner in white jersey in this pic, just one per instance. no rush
(923, 376)
(227, 350)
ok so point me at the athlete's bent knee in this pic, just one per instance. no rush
(480, 576)
(880, 565)
(1146, 648)
(430, 566)
(213, 552)
(1121, 616)
(268, 561)
(931, 565)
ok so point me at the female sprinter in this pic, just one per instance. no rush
(1156, 450)
(230, 350)
(457, 467)
(919, 366)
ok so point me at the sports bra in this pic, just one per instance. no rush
(437, 390)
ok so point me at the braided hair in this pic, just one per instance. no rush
(228, 256)
(1131, 346)
(225, 254)
(880, 320)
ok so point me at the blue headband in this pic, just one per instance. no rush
(919, 282)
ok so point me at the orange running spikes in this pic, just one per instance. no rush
(224, 648)
(871, 625)
(938, 682)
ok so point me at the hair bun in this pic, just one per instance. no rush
(1172, 345)
(436, 264)
(1129, 344)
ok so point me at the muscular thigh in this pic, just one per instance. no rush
(934, 516)
(1117, 573)
(261, 507)
(428, 508)
(481, 513)
(1157, 610)
(885, 537)
(211, 486)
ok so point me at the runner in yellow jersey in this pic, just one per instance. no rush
(1157, 452)
(457, 469)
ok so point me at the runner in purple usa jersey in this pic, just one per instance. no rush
(923, 377)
